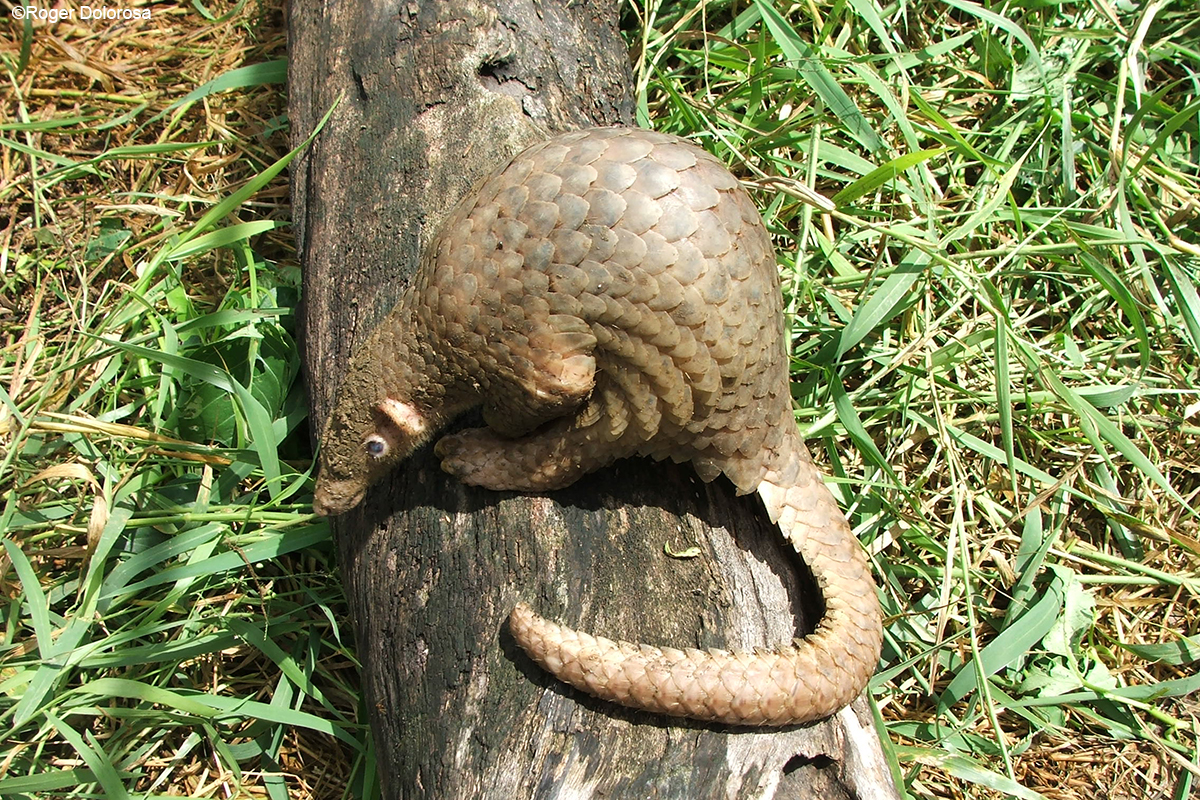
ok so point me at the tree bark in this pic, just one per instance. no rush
(432, 96)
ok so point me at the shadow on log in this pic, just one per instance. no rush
(433, 96)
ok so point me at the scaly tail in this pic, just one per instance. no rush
(811, 679)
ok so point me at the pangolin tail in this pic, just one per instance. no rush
(808, 680)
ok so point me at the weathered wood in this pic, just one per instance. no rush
(433, 95)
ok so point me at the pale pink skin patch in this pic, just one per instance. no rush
(404, 415)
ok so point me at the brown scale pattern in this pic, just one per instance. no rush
(608, 293)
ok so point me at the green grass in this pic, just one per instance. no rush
(995, 338)
(173, 625)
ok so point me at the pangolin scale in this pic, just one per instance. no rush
(609, 293)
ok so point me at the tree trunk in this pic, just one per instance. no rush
(434, 95)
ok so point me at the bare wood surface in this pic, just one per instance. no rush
(433, 95)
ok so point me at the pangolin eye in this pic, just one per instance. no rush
(376, 446)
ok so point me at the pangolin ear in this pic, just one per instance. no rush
(404, 416)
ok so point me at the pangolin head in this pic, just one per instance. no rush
(364, 439)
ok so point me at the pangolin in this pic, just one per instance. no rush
(608, 293)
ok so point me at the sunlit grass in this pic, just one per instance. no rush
(995, 345)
